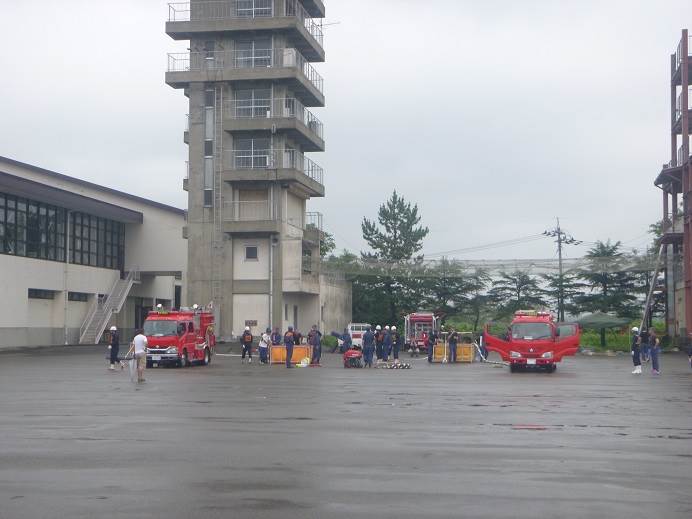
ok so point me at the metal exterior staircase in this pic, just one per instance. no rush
(102, 310)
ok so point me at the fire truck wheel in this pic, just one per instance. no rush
(550, 368)
(184, 361)
(207, 357)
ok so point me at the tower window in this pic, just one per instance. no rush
(251, 253)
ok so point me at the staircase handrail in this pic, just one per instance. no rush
(114, 304)
(98, 302)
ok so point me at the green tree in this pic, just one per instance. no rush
(394, 240)
(399, 235)
(611, 288)
(514, 291)
(566, 286)
(327, 244)
(477, 302)
(445, 287)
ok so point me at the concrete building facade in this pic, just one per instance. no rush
(76, 257)
(253, 249)
(675, 181)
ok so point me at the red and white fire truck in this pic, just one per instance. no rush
(356, 331)
(417, 328)
(179, 337)
(534, 339)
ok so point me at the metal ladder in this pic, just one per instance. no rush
(650, 295)
(217, 237)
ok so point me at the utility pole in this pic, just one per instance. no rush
(561, 238)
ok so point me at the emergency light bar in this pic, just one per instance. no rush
(531, 313)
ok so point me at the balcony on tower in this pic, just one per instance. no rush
(275, 115)
(303, 276)
(250, 217)
(290, 17)
(286, 65)
(264, 165)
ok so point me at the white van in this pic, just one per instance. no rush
(356, 331)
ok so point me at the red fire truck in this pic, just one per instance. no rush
(417, 327)
(534, 339)
(179, 337)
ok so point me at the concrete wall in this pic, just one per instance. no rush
(250, 307)
(244, 269)
(157, 244)
(336, 303)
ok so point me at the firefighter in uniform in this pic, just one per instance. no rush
(246, 341)
(368, 346)
(289, 342)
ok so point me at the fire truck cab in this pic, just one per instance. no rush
(534, 339)
(356, 331)
(179, 337)
(417, 327)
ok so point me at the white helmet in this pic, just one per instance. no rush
(393, 328)
(247, 328)
(635, 330)
(386, 327)
(378, 327)
(113, 328)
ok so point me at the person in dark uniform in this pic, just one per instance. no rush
(453, 339)
(396, 344)
(289, 342)
(114, 346)
(368, 347)
(386, 344)
(315, 340)
(246, 341)
(379, 341)
(636, 351)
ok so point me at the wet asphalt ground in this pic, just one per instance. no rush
(239, 441)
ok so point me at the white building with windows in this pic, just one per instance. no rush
(76, 257)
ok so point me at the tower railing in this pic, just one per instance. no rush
(243, 9)
(314, 220)
(282, 108)
(219, 10)
(275, 159)
(245, 59)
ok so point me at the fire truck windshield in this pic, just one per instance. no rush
(160, 328)
(531, 331)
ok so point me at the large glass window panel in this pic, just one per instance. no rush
(208, 172)
(253, 153)
(253, 103)
(209, 123)
(253, 8)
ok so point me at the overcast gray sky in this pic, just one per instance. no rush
(494, 116)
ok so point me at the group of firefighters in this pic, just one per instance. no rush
(289, 340)
(382, 344)
(378, 345)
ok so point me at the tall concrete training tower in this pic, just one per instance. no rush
(249, 76)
